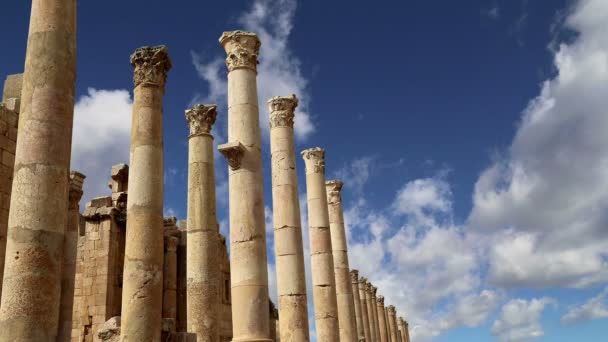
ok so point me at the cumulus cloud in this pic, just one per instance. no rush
(551, 188)
(101, 137)
(279, 71)
(595, 308)
(520, 320)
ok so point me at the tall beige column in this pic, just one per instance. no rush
(344, 291)
(170, 278)
(381, 319)
(143, 269)
(203, 264)
(38, 215)
(248, 260)
(354, 278)
(392, 323)
(289, 250)
(388, 329)
(364, 316)
(371, 307)
(322, 262)
(404, 328)
(70, 246)
(374, 289)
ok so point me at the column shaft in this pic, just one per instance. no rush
(375, 314)
(248, 260)
(381, 319)
(392, 323)
(364, 315)
(38, 215)
(354, 277)
(371, 307)
(344, 292)
(70, 245)
(388, 329)
(322, 262)
(143, 265)
(203, 264)
(289, 251)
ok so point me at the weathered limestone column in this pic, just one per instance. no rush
(381, 319)
(344, 291)
(371, 307)
(322, 262)
(289, 250)
(375, 314)
(39, 199)
(364, 316)
(388, 329)
(70, 246)
(170, 278)
(203, 264)
(143, 269)
(354, 278)
(248, 260)
(392, 323)
(404, 328)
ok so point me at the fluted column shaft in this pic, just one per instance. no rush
(386, 320)
(375, 314)
(354, 278)
(289, 250)
(248, 259)
(344, 292)
(70, 245)
(143, 266)
(381, 319)
(202, 260)
(170, 278)
(322, 263)
(392, 323)
(38, 215)
(364, 312)
(371, 307)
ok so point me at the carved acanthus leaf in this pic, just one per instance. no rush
(201, 118)
(282, 110)
(314, 159)
(242, 48)
(233, 152)
(151, 65)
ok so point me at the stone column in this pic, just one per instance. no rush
(371, 307)
(170, 278)
(39, 199)
(70, 244)
(143, 268)
(322, 262)
(364, 316)
(354, 278)
(403, 327)
(289, 250)
(203, 265)
(375, 314)
(388, 329)
(392, 323)
(248, 260)
(344, 291)
(381, 319)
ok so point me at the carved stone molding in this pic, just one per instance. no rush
(354, 276)
(374, 290)
(151, 65)
(391, 310)
(314, 159)
(334, 188)
(200, 118)
(233, 152)
(380, 300)
(362, 281)
(242, 48)
(171, 243)
(282, 110)
(75, 194)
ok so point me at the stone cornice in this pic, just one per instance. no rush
(75, 194)
(233, 152)
(201, 118)
(151, 66)
(242, 49)
(282, 110)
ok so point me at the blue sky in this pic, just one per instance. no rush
(470, 136)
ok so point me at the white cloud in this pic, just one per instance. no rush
(520, 320)
(355, 174)
(101, 137)
(551, 189)
(595, 308)
(279, 70)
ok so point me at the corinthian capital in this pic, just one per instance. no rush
(333, 188)
(282, 110)
(242, 48)
(75, 193)
(380, 300)
(354, 276)
(151, 65)
(200, 118)
(391, 310)
(374, 290)
(314, 159)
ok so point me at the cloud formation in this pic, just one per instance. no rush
(520, 320)
(594, 308)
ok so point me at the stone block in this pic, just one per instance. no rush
(110, 330)
(8, 158)
(13, 104)
(12, 87)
